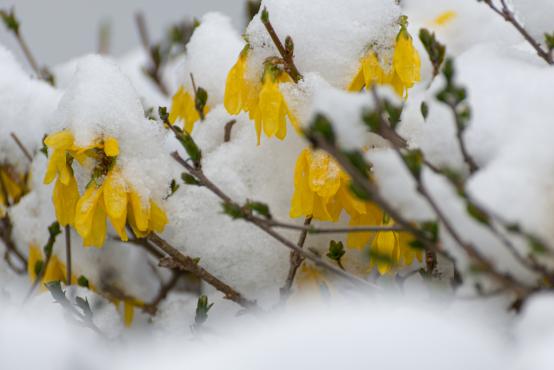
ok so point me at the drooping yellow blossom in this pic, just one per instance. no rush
(406, 62)
(264, 102)
(317, 184)
(55, 269)
(322, 191)
(12, 186)
(183, 107)
(445, 18)
(392, 249)
(404, 70)
(107, 196)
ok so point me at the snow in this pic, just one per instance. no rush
(536, 16)
(211, 53)
(330, 46)
(26, 103)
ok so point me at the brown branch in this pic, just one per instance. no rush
(154, 69)
(228, 128)
(67, 232)
(188, 264)
(510, 17)
(287, 53)
(22, 147)
(152, 307)
(295, 261)
(472, 252)
(201, 177)
(346, 230)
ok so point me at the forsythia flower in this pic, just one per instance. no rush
(55, 270)
(391, 249)
(108, 195)
(183, 107)
(405, 68)
(321, 191)
(320, 188)
(264, 102)
(12, 186)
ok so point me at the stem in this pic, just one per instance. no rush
(188, 264)
(67, 232)
(153, 71)
(228, 128)
(295, 261)
(346, 230)
(22, 147)
(509, 17)
(287, 56)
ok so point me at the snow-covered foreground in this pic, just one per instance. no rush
(386, 333)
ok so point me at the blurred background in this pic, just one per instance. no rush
(58, 30)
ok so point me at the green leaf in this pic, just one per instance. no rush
(336, 251)
(189, 179)
(260, 208)
(232, 210)
(202, 308)
(82, 281)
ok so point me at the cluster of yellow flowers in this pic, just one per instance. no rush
(321, 187)
(107, 194)
(322, 191)
(264, 101)
(403, 73)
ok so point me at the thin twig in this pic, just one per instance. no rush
(228, 128)
(22, 147)
(186, 263)
(346, 230)
(67, 231)
(286, 53)
(510, 17)
(152, 307)
(153, 70)
(469, 248)
(295, 261)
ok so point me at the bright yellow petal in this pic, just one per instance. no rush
(97, 235)
(111, 147)
(141, 211)
(86, 209)
(406, 60)
(158, 218)
(60, 140)
(35, 255)
(65, 198)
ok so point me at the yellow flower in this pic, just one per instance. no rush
(406, 61)
(55, 270)
(12, 185)
(107, 196)
(183, 107)
(390, 250)
(264, 102)
(317, 181)
(404, 70)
